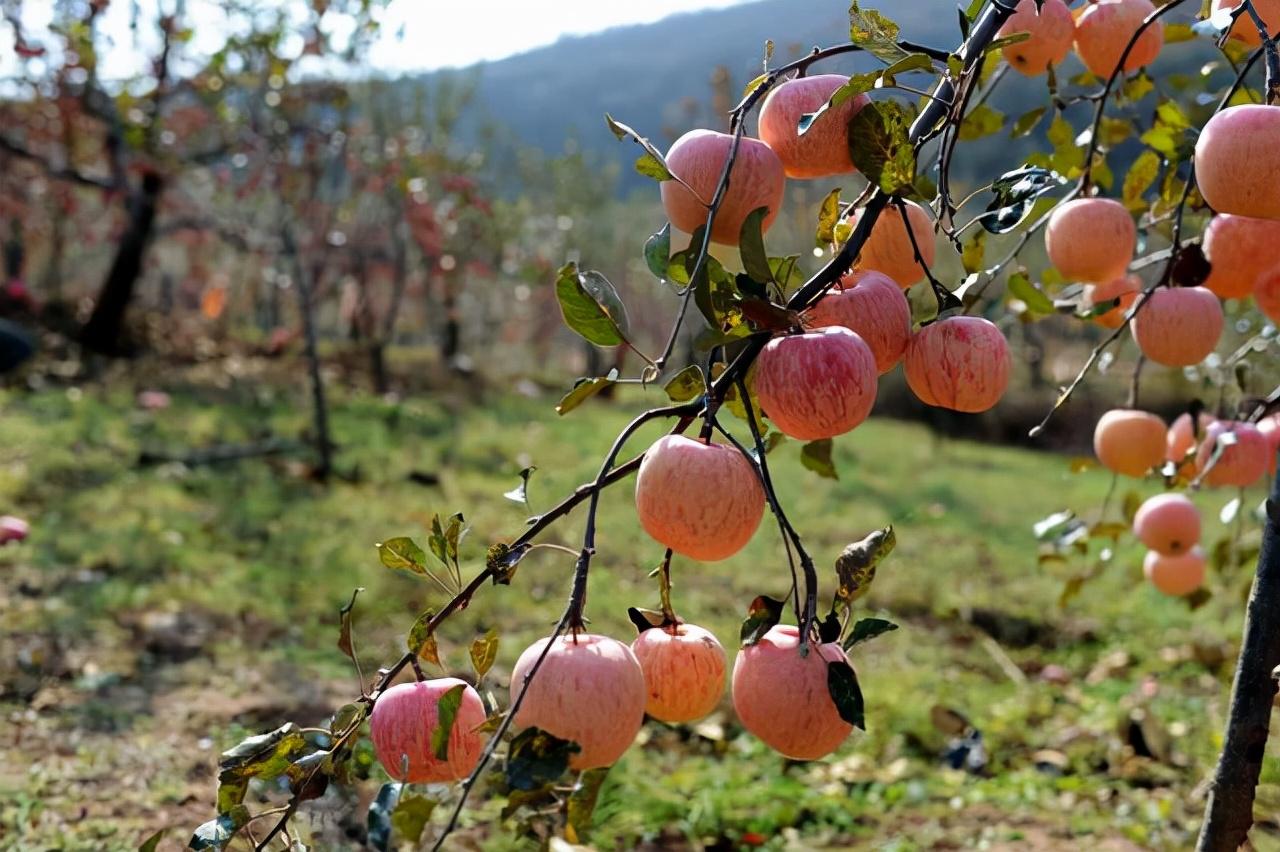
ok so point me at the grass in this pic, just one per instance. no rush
(158, 614)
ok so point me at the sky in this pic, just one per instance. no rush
(416, 35)
(445, 33)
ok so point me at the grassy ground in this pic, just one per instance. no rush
(158, 614)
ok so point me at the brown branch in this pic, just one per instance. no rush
(66, 173)
(1229, 811)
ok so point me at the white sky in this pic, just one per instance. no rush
(416, 35)
(439, 33)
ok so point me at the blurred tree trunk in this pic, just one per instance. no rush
(102, 333)
(319, 404)
(451, 342)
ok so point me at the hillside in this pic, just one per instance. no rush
(659, 77)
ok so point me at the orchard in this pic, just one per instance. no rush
(1145, 226)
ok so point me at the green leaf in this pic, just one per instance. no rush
(1027, 122)
(1037, 302)
(535, 758)
(150, 844)
(264, 756)
(816, 456)
(879, 145)
(309, 775)
(875, 33)
(378, 821)
(591, 306)
(973, 251)
(651, 163)
(828, 215)
(345, 716)
(762, 615)
(484, 650)
(657, 251)
(686, 385)
(981, 121)
(402, 554)
(421, 639)
(856, 564)
(755, 261)
(652, 167)
(842, 684)
(1139, 179)
(786, 271)
(583, 390)
(582, 801)
(867, 629)
(410, 817)
(503, 559)
(217, 833)
(447, 714)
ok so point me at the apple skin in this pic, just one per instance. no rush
(1242, 463)
(403, 720)
(1091, 239)
(1052, 30)
(698, 158)
(1266, 294)
(816, 385)
(889, 250)
(783, 698)
(960, 363)
(1104, 29)
(872, 306)
(823, 151)
(1179, 326)
(589, 690)
(701, 500)
(1130, 442)
(1176, 576)
(1182, 438)
(1244, 30)
(1169, 524)
(1239, 250)
(1237, 159)
(684, 668)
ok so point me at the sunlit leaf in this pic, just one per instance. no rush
(591, 306)
(816, 456)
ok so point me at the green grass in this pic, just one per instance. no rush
(250, 562)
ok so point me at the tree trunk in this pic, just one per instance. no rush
(378, 366)
(102, 333)
(452, 342)
(319, 405)
(1228, 815)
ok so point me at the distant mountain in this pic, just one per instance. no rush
(658, 78)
